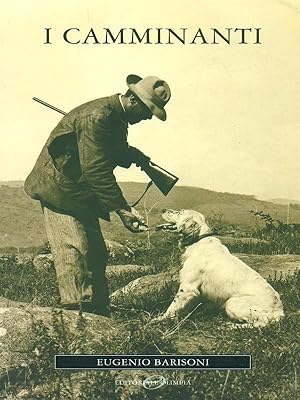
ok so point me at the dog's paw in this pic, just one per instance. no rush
(236, 325)
(161, 319)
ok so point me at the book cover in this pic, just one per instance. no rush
(231, 137)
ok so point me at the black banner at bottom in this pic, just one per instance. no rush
(161, 362)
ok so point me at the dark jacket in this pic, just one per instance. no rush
(74, 172)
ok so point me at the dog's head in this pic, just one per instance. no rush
(188, 223)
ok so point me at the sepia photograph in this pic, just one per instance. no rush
(150, 199)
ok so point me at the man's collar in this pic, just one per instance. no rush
(119, 109)
(122, 105)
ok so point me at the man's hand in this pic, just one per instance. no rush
(138, 157)
(132, 220)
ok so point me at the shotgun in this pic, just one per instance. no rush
(163, 179)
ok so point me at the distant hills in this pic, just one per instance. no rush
(22, 226)
(284, 201)
(12, 183)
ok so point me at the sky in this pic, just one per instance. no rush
(233, 119)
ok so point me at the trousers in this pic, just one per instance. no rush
(80, 259)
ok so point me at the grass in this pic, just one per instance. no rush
(275, 349)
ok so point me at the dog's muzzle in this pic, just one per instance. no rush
(170, 216)
(169, 227)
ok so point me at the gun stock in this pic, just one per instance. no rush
(163, 179)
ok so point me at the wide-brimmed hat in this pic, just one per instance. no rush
(152, 91)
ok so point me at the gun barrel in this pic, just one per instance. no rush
(49, 105)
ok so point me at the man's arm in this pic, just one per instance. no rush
(96, 164)
(132, 155)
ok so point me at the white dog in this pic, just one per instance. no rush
(211, 273)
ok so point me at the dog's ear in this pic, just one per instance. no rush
(189, 232)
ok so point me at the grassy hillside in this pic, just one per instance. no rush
(21, 220)
(284, 201)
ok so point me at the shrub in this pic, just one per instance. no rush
(275, 237)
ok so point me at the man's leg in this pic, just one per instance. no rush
(97, 261)
(80, 257)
